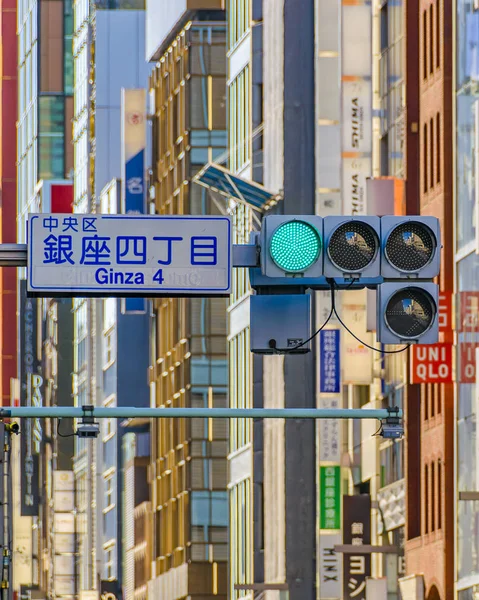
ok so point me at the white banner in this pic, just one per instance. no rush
(357, 116)
(64, 501)
(356, 358)
(330, 432)
(330, 579)
(356, 49)
(64, 523)
(355, 173)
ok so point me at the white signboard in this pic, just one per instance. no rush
(63, 481)
(355, 173)
(330, 431)
(118, 255)
(330, 578)
(357, 116)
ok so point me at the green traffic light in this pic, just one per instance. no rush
(295, 246)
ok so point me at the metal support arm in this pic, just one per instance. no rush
(126, 412)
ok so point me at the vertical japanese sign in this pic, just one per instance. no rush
(356, 92)
(329, 566)
(329, 356)
(356, 531)
(330, 501)
(30, 387)
(133, 148)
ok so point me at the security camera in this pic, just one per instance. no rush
(91, 430)
(392, 431)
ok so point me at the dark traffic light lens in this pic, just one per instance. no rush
(353, 246)
(410, 247)
(410, 312)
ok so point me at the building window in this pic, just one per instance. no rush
(433, 496)
(438, 34)
(439, 494)
(431, 156)
(426, 162)
(239, 20)
(426, 499)
(438, 148)
(68, 47)
(240, 120)
(51, 137)
(431, 38)
(424, 44)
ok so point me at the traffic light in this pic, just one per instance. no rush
(408, 299)
(407, 313)
(397, 256)
(410, 247)
(292, 246)
(352, 247)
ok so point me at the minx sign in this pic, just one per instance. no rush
(100, 255)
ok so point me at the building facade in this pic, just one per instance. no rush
(108, 56)
(465, 96)
(188, 471)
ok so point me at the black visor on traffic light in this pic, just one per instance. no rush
(353, 246)
(410, 312)
(410, 246)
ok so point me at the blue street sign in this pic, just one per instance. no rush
(329, 360)
(119, 255)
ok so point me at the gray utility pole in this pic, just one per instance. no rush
(6, 514)
(299, 371)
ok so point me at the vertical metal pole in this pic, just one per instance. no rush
(9, 495)
(299, 372)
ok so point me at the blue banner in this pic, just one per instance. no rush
(329, 360)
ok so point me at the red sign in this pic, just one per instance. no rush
(468, 311)
(467, 364)
(431, 363)
(445, 317)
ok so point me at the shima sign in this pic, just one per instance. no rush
(123, 255)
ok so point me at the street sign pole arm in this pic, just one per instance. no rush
(127, 412)
(15, 255)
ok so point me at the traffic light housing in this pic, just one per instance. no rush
(352, 247)
(292, 246)
(397, 256)
(410, 247)
(407, 313)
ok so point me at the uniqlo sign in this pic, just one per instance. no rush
(431, 363)
(467, 362)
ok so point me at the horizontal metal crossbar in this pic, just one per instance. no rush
(127, 412)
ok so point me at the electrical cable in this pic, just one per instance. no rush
(64, 435)
(331, 282)
(331, 312)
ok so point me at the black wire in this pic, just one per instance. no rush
(331, 283)
(331, 312)
(378, 432)
(64, 435)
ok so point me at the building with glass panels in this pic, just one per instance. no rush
(108, 55)
(188, 470)
(466, 99)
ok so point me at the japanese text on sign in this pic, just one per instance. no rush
(330, 503)
(330, 369)
(356, 531)
(133, 254)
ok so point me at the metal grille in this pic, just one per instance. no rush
(410, 247)
(410, 312)
(353, 246)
